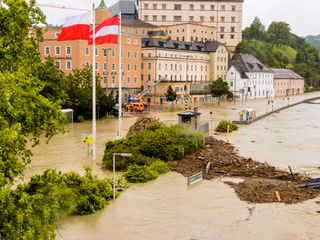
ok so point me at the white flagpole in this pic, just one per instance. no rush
(94, 123)
(120, 80)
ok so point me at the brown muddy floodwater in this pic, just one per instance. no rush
(166, 209)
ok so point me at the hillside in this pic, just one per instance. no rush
(269, 54)
(315, 40)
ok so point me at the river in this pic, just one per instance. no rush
(166, 209)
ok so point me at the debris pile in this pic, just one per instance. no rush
(261, 180)
(141, 124)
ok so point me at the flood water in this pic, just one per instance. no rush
(166, 209)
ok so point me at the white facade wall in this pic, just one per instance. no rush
(258, 84)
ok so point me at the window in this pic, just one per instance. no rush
(146, 17)
(177, 18)
(177, 6)
(191, 6)
(87, 51)
(141, 77)
(201, 18)
(191, 18)
(212, 7)
(97, 52)
(146, 6)
(222, 36)
(113, 66)
(129, 68)
(68, 65)
(135, 79)
(58, 50)
(232, 29)
(128, 40)
(47, 50)
(142, 65)
(233, 8)
(128, 79)
(149, 65)
(222, 19)
(113, 79)
(164, 6)
(129, 55)
(56, 34)
(159, 66)
(221, 29)
(154, 17)
(105, 79)
(233, 19)
(87, 63)
(58, 64)
(97, 66)
(149, 77)
(135, 55)
(202, 7)
(113, 53)
(231, 84)
(105, 66)
(211, 19)
(135, 67)
(164, 18)
(223, 7)
(154, 6)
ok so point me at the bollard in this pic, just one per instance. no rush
(228, 130)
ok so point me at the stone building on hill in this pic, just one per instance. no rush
(224, 15)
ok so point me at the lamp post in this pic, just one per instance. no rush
(114, 169)
(105, 53)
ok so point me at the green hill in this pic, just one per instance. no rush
(269, 54)
(288, 52)
(315, 40)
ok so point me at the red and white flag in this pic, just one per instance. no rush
(107, 31)
(76, 28)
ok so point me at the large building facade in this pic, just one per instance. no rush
(70, 55)
(187, 66)
(224, 15)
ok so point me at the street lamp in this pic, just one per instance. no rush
(114, 169)
(105, 53)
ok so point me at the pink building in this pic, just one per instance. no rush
(287, 82)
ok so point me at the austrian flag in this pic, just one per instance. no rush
(76, 28)
(107, 31)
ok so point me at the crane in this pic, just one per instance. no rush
(60, 6)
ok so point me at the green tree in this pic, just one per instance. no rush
(20, 32)
(171, 94)
(79, 92)
(255, 31)
(279, 33)
(25, 114)
(54, 81)
(219, 88)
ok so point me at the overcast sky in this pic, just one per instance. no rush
(302, 16)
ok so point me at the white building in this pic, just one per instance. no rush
(248, 78)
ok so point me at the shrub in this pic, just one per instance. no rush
(157, 142)
(140, 174)
(80, 118)
(160, 167)
(223, 126)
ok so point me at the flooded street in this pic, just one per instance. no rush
(166, 209)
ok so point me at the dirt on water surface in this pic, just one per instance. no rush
(262, 183)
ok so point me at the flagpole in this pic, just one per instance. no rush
(120, 80)
(94, 123)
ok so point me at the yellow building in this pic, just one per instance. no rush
(189, 32)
